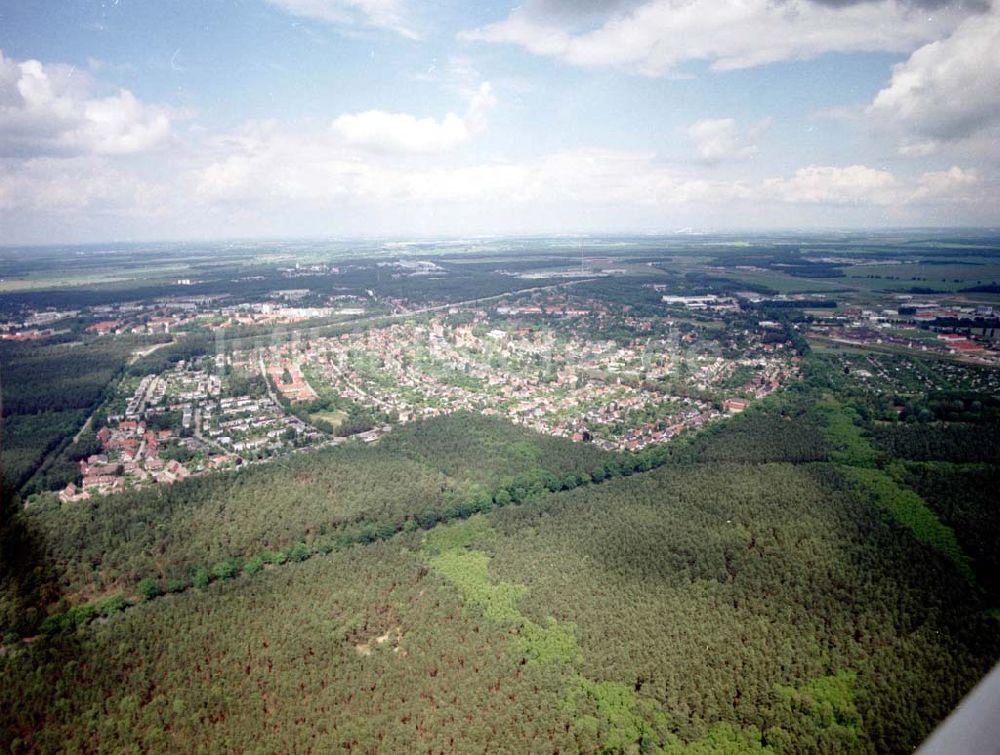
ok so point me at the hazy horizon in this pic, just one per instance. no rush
(403, 239)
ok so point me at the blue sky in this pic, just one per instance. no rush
(203, 118)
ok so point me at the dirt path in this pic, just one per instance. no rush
(137, 355)
(84, 428)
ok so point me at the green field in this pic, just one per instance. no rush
(335, 417)
(945, 277)
(787, 284)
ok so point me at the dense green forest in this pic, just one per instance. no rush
(729, 600)
(58, 377)
(48, 392)
(751, 576)
(418, 475)
(956, 442)
(966, 498)
(802, 578)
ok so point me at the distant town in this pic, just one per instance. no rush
(539, 364)
(550, 357)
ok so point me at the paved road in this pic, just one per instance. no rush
(136, 356)
(422, 310)
(480, 300)
(267, 381)
(202, 438)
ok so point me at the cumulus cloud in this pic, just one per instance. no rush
(268, 164)
(953, 184)
(822, 184)
(77, 184)
(267, 174)
(947, 91)
(975, 5)
(719, 139)
(381, 14)
(49, 110)
(862, 185)
(264, 161)
(401, 132)
(380, 131)
(577, 11)
(271, 164)
(659, 35)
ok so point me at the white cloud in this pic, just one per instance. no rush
(381, 14)
(401, 132)
(862, 185)
(659, 35)
(379, 131)
(49, 109)
(76, 184)
(947, 91)
(265, 162)
(719, 139)
(270, 178)
(268, 173)
(954, 184)
(835, 185)
(270, 165)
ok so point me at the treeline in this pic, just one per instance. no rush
(950, 406)
(289, 661)
(713, 605)
(39, 378)
(757, 592)
(29, 438)
(493, 452)
(48, 392)
(704, 586)
(214, 528)
(60, 464)
(956, 442)
(414, 477)
(784, 428)
(966, 497)
(787, 261)
(420, 475)
(985, 288)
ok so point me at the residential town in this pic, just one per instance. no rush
(192, 419)
(180, 423)
(550, 358)
(571, 387)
